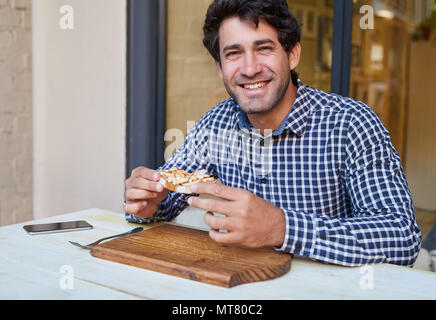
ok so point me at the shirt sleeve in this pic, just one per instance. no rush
(381, 226)
(193, 155)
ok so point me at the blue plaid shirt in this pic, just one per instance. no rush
(331, 168)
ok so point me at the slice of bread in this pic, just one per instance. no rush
(180, 181)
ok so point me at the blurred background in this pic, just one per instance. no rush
(64, 92)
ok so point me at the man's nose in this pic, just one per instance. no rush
(251, 66)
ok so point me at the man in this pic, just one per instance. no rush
(331, 187)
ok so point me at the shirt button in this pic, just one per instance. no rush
(263, 180)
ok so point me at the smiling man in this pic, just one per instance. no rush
(332, 187)
(255, 70)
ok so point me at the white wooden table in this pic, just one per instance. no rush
(31, 267)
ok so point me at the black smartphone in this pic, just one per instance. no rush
(57, 227)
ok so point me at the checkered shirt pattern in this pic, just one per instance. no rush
(330, 167)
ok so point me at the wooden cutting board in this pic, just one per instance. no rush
(192, 254)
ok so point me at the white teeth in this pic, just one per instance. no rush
(255, 85)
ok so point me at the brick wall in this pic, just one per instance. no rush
(193, 85)
(15, 112)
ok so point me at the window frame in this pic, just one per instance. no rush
(146, 83)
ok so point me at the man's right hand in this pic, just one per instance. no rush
(143, 192)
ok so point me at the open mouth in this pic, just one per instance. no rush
(254, 86)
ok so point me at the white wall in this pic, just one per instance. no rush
(79, 105)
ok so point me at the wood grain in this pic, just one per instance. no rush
(191, 254)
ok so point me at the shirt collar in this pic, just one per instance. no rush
(295, 120)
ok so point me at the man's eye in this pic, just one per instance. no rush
(231, 54)
(265, 49)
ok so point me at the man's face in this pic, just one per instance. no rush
(254, 66)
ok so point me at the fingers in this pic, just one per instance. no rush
(138, 194)
(142, 209)
(218, 190)
(225, 237)
(133, 207)
(212, 205)
(146, 173)
(217, 223)
(144, 190)
(143, 183)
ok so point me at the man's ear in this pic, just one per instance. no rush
(218, 69)
(294, 56)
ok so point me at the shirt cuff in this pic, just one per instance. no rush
(300, 234)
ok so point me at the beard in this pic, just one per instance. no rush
(258, 104)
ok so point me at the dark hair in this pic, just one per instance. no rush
(274, 12)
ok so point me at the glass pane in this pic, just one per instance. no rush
(316, 20)
(193, 86)
(392, 71)
(381, 59)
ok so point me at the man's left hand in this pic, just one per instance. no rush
(250, 221)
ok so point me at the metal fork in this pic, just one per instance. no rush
(90, 245)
